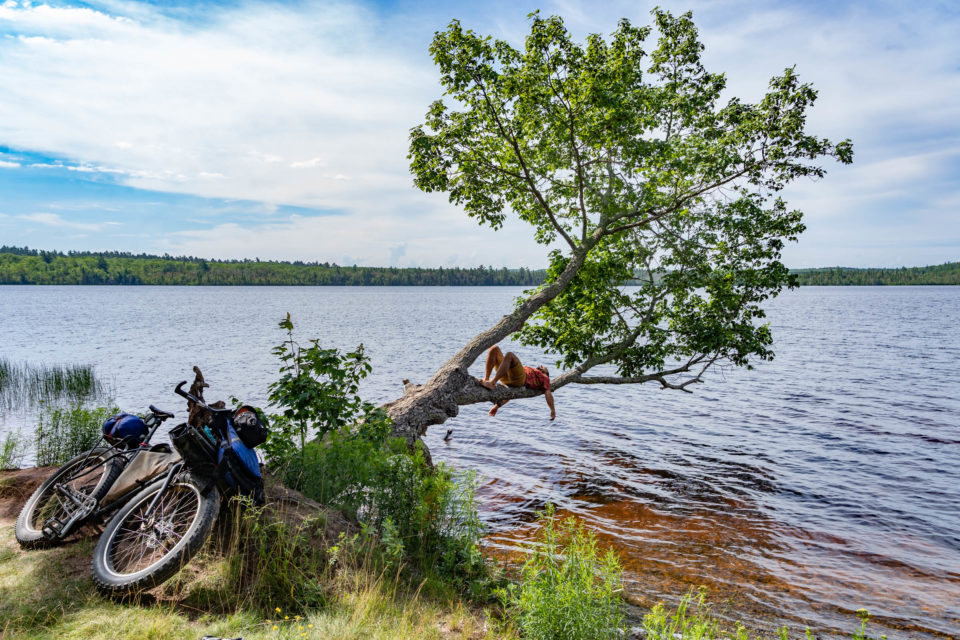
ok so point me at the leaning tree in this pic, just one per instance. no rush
(628, 165)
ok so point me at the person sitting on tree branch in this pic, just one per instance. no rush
(511, 372)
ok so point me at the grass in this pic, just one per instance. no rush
(65, 433)
(283, 574)
(693, 619)
(13, 450)
(24, 385)
(360, 602)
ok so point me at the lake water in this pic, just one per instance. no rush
(825, 481)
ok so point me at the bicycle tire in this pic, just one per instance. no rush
(27, 529)
(182, 519)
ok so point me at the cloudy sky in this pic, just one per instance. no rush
(279, 129)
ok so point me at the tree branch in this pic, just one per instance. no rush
(523, 165)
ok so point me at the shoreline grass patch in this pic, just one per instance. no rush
(13, 450)
(25, 386)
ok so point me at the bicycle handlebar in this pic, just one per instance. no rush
(189, 396)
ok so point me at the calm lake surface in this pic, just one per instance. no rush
(825, 481)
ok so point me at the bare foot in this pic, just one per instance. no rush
(486, 383)
(494, 410)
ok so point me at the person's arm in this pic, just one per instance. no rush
(549, 396)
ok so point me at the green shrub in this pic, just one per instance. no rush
(65, 433)
(316, 393)
(695, 620)
(692, 619)
(338, 450)
(429, 512)
(568, 589)
(13, 450)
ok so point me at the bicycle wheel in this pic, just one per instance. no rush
(139, 548)
(89, 475)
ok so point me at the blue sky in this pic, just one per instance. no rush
(278, 129)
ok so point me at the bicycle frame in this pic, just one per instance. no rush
(87, 508)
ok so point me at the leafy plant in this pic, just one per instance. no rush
(316, 393)
(695, 619)
(692, 619)
(861, 633)
(568, 588)
(428, 513)
(339, 450)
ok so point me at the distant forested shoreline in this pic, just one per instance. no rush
(947, 273)
(22, 265)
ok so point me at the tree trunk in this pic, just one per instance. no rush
(452, 385)
(440, 399)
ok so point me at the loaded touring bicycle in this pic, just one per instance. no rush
(96, 483)
(162, 526)
(164, 501)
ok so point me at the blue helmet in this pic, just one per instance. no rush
(126, 428)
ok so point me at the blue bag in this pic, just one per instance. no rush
(240, 467)
(124, 428)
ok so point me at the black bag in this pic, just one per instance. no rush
(249, 426)
(199, 453)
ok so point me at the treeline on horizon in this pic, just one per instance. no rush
(22, 265)
(947, 273)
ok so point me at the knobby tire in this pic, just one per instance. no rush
(44, 503)
(138, 552)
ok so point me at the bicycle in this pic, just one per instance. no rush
(72, 496)
(163, 526)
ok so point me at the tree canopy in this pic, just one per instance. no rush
(624, 159)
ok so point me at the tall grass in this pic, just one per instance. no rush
(273, 561)
(24, 385)
(65, 433)
(13, 449)
(425, 517)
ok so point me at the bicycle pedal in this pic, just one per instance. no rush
(52, 529)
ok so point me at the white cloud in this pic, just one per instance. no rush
(8, 165)
(369, 240)
(55, 220)
(310, 104)
(308, 164)
(251, 94)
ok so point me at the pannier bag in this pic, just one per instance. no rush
(239, 466)
(145, 466)
(125, 428)
(249, 426)
(199, 453)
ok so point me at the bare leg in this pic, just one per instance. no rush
(503, 369)
(494, 358)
